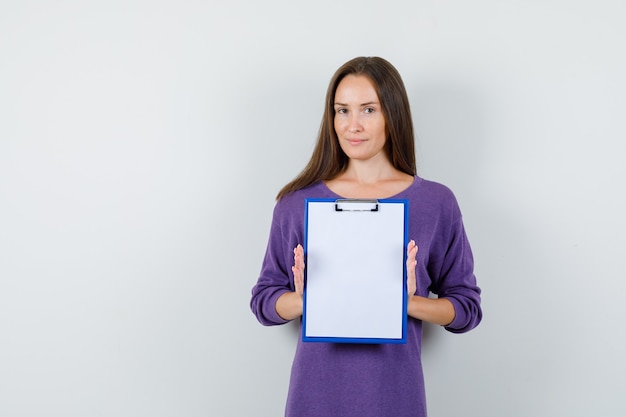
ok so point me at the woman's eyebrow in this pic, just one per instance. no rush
(369, 103)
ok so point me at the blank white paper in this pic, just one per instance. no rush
(355, 272)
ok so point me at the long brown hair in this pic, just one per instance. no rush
(328, 159)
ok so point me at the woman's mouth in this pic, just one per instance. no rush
(355, 141)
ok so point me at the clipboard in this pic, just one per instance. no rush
(355, 274)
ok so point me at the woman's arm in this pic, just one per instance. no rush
(289, 305)
(434, 310)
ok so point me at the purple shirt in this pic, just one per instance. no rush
(357, 380)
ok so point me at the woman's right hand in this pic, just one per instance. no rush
(298, 270)
(289, 305)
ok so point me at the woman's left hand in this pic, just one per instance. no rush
(411, 263)
(436, 310)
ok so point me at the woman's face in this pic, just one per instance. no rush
(359, 119)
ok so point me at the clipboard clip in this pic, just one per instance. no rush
(356, 204)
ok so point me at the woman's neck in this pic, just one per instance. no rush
(362, 179)
(370, 171)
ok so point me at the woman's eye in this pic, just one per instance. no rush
(341, 111)
(369, 110)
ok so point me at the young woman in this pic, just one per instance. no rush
(365, 149)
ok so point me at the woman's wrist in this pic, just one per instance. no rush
(289, 305)
(439, 311)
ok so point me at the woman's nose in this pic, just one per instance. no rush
(355, 124)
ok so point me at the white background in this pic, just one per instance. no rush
(142, 144)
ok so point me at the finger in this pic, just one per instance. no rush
(298, 280)
(299, 256)
(298, 277)
(295, 255)
(411, 261)
(411, 250)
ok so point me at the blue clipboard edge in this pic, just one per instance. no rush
(362, 340)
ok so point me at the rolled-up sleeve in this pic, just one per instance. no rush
(275, 277)
(457, 282)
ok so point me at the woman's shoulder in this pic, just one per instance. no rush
(295, 199)
(432, 196)
(430, 189)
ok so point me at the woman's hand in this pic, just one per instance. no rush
(298, 269)
(434, 310)
(289, 305)
(411, 263)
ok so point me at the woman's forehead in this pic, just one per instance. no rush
(356, 89)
